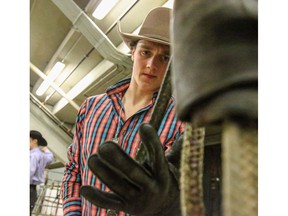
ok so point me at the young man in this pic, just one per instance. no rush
(40, 157)
(117, 114)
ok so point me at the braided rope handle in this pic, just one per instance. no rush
(240, 169)
(192, 156)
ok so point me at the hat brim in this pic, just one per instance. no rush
(42, 141)
(130, 39)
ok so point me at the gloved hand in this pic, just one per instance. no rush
(139, 189)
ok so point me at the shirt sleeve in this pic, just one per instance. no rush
(33, 166)
(71, 181)
(49, 157)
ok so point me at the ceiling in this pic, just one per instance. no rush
(91, 49)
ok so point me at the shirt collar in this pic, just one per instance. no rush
(35, 149)
(122, 86)
(119, 87)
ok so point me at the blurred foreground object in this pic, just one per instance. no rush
(215, 76)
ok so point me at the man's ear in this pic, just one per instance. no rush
(34, 142)
(132, 53)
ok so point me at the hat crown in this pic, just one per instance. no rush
(155, 28)
(34, 133)
(157, 24)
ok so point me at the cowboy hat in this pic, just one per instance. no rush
(37, 135)
(155, 28)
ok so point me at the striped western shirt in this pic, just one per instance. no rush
(101, 118)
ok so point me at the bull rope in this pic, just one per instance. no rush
(240, 167)
(192, 157)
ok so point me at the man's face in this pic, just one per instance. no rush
(150, 62)
(33, 143)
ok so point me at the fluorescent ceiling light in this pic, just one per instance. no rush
(103, 8)
(58, 67)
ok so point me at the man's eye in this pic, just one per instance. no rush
(144, 52)
(165, 58)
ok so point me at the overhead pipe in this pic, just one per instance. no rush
(121, 16)
(59, 123)
(93, 33)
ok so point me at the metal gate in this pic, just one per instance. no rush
(49, 200)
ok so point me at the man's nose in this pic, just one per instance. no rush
(152, 62)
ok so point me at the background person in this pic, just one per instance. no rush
(40, 157)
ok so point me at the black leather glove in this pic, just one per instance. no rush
(139, 189)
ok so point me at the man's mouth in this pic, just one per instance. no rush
(150, 76)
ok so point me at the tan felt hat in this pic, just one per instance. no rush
(155, 28)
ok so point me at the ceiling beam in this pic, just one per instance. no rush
(93, 33)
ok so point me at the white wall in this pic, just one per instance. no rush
(57, 139)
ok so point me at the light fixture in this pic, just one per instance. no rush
(103, 8)
(57, 68)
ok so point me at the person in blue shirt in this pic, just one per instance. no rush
(40, 157)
